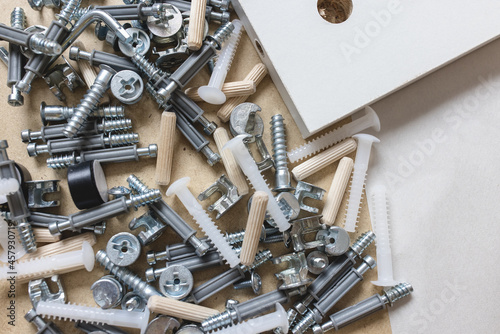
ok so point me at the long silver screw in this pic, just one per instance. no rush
(68, 11)
(15, 58)
(282, 175)
(89, 101)
(18, 18)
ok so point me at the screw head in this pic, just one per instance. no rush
(176, 282)
(123, 249)
(256, 282)
(133, 302)
(107, 292)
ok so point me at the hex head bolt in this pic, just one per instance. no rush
(166, 145)
(364, 308)
(332, 296)
(54, 264)
(171, 218)
(180, 189)
(368, 120)
(324, 159)
(96, 315)
(250, 169)
(42, 326)
(358, 179)
(196, 24)
(261, 324)
(253, 229)
(212, 92)
(233, 171)
(16, 59)
(115, 154)
(50, 113)
(89, 101)
(104, 211)
(379, 214)
(179, 309)
(282, 181)
(229, 89)
(337, 191)
(256, 75)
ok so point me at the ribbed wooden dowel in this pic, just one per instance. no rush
(43, 235)
(165, 158)
(256, 75)
(253, 229)
(89, 73)
(337, 190)
(232, 169)
(230, 89)
(63, 246)
(196, 24)
(323, 159)
(178, 309)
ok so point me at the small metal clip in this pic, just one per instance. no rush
(307, 190)
(296, 274)
(38, 290)
(229, 195)
(154, 227)
(300, 228)
(37, 191)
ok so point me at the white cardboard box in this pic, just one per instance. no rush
(326, 71)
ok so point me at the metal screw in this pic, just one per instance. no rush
(107, 292)
(282, 175)
(89, 101)
(61, 113)
(255, 282)
(39, 44)
(43, 327)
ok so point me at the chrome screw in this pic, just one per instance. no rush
(282, 175)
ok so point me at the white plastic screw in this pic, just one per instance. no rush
(368, 120)
(250, 169)
(180, 189)
(9, 248)
(94, 315)
(261, 324)
(380, 222)
(358, 179)
(7, 186)
(212, 93)
(51, 265)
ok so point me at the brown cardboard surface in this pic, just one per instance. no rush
(187, 162)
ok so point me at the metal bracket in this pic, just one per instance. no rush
(296, 274)
(154, 227)
(229, 195)
(38, 290)
(300, 228)
(307, 190)
(63, 75)
(37, 190)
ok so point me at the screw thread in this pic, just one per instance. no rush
(79, 12)
(146, 198)
(235, 237)
(217, 321)
(261, 258)
(26, 236)
(117, 125)
(61, 161)
(151, 90)
(123, 139)
(363, 242)
(68, 11)
(18, 18)
(40, 44)
(109, 112)
(274, 239)
(136, 184)
(223, 33)
(398, 292)
(150, 69)
(279, 141)
(304, 323)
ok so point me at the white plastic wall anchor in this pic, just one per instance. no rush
(358, 179)
(261, 324)
(7, 186)
(368, 120)
(250, 169)
(96, 315)
(8, 249)
(379, 215)
(52, 265)
(212, 93)
(200, 216)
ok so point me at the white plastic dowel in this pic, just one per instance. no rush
(358, 179)
(379, 214)
(250, 169)
(96, 315)
(194, 208)
(7, 186)
(212, 93)
(8, 241)
(261, 324)
(368, 120)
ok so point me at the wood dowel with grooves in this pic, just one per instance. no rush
(63, 246)
(230, 89)
(253, 228)
(165, 158)
(324, 159)
(337, 190)
(43, 235)
(256, 75)
(233, 171)
(196, 24)
(178, 309)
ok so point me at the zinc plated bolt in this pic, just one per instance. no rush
(364, 308)
(39, 4)
(15, 57)
(41, 325)
(50, 113)
(282, 175)
(358, 179)
(89, 101)
(255, 282)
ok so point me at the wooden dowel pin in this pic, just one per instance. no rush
(196, 24)
(166, 144)
(253, 228)
(230, 89)
(63, 246)
(43, 235)
(337, 190)
(178, 309)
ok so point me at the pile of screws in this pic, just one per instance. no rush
(319, 271)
